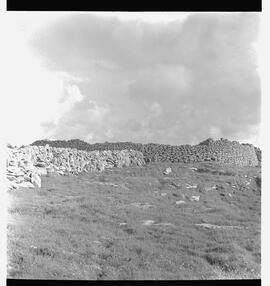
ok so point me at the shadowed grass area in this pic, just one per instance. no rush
(125, 224)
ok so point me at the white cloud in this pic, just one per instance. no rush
(89, 137)
(74, 93)
(31, 96)
(96, 112)
(32, 92)
(71, 78)
(105, 64)
(109, 133)
(215, 132)
(176, 81)
(253, 138)
(156, 109)
(72, 96)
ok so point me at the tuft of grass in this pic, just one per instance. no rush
(226, 263)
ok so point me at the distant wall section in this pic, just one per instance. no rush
(222, 150)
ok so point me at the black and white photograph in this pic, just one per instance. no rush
(133, 145)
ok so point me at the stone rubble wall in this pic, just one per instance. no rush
(259, 154)
(25, 165)
(222, 150)
(230, 152)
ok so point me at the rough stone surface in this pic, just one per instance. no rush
(25, 165)
(195, 198)
(167, 171)
(222, 150)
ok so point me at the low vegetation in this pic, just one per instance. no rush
(137, 223)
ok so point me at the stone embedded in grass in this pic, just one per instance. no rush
(142, 205)
(163, 194)
(191, 186)
(95, 266)
(195, 198)
(193, 169)
(96, 241)
(167, 171)
(208, 189)
(148, 222)
(122, 223)
(208, 225)
(180, 202)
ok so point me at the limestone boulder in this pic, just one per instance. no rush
(35, 180)
(25, 185)
(167, 171)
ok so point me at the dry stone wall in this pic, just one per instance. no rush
(259, 154)
(25, 165)
(223, 150)
(81, 145)
(229, 152)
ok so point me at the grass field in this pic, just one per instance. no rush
(137, 223)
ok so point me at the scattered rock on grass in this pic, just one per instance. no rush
(180, 202)
(208, 189)
(96, 242)
(148, 222)
(208, 225)
(191, 186)
(195, 198)
(167, 171)
(142, 205)
(193, 169)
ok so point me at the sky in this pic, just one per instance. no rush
(170, 78)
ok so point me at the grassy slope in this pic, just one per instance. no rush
(73, 227)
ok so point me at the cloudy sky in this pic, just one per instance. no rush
(173, 78)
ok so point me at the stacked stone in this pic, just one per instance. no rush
(26, 164)
(223, 150)
(21, 171)
(228, 152)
